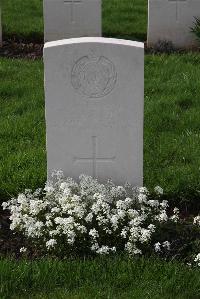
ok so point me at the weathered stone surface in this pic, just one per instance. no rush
(94, 108)
(71, 18)
(171, 20)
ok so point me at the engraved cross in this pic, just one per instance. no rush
(72, 3)
(94, 159)
(177, 7)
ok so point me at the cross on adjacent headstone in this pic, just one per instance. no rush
(177, 7)
(94, 159)
(71, 18)
(72, 3)
(172, 20)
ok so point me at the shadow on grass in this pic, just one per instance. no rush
(136, 37)
(38, 38)
(33, 37)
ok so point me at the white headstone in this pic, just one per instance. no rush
(71, 18)
(94, 108)
(171, 20)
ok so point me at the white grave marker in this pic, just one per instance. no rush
(171, 20)
(94, 108)
(71, 18)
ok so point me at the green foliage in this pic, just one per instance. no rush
(106, 277)
(196, 28)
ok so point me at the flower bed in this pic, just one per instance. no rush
(91, 218)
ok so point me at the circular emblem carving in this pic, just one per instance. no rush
(94, 77)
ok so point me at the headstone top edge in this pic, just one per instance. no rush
(99, 40)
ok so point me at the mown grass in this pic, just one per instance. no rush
(117, 278)
(22, 126)
(172, 122)
(24, 19)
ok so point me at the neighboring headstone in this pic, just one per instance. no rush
(94, 108)
(71, 18)
(171, 20)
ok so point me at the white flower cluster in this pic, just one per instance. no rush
(197, 220)
(158, 246)
(23, 249)
(197, 260)
(102, 218)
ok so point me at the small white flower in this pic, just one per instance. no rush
(5, 205)
(166, 245)
(51, 244)
(197, 220)
(121, 213)
(94, 233)
(136, 251)
(49, 223)
(157, 247)
(124, 233)
(55, 210)
(23, 250)
(132, 249)
(175, 217)
(158, 190)
(49, 188)
(145, 235)
(114, 221)
(143, 190)
(64, 185)
(120, 204)
(142, 198)
(89, 217)
(128, 201)
(105, 250)
(95, 247)
(153, 203)
(197, 259)
(152, 228)
(162, 217)
(164, 204)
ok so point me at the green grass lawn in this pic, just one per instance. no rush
(113, 278)
(22, 126)
(172, 122)
(24, 19)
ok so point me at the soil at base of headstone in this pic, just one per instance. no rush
(20, 49)
(10, 243)
(15, 48)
